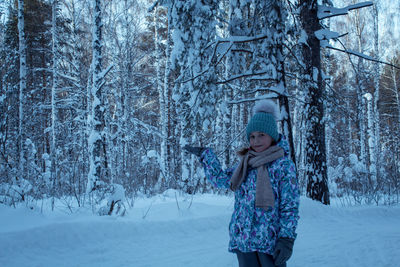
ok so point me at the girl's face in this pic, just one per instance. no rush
(260, 141)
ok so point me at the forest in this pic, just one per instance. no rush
(98, 98)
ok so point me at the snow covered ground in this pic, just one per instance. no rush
(194, 235)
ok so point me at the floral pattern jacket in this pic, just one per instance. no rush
(251, 228)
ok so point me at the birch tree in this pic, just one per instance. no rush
(53, 147)
(162, 83)
(376, 142)
(22, 83)
(96, 120)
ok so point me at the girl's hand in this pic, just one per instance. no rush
(283, 250)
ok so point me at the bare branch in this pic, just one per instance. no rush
(244, 100)
(244, 75)
(362, 56)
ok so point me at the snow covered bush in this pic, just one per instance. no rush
(15, 192)
(353, 180)
(115, 202)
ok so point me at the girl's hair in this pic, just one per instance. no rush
(243, 151)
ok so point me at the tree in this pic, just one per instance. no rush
(164, 92)
(194, 90)
(98, 172)
(22, 83)
(315, 151)
(389, 110)
(317, 37)
(9, 60)
(53, 148)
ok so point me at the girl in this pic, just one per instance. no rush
(265, 216)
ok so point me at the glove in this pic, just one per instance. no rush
(283, 250)
(194, 150)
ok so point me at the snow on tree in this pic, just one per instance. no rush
(9, 113)
(194, 89)
(162, 84)
(189, 76)
(318, 37)
(375, 151)
(22, 84)
(96, 121)
(389, 106)
(315, 150)
(53, 147)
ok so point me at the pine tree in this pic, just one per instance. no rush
(315, 151)
(9, 60)
(193, 93)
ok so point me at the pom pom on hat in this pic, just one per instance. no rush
(264, 119)
(267, 106)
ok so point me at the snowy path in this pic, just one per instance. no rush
(327, 236)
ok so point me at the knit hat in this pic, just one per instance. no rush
(263, 119)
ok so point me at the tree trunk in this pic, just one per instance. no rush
(315, 152)
(53, 152)
(162, 96)
(22, 84)
(377, 82)
(97, 167)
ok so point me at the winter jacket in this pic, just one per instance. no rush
(251, 228)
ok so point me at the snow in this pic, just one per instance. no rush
(156, 233)
(368, 96)
(325, 34)
(328, 11)
(360, 54)
(303, 37)
(152, 154)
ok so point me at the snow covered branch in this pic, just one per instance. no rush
(325, 12)
(361, 55)
(237, 40)
(153, 6)
(104, 74)
(150, 129)
(253, 99)
(244, 75)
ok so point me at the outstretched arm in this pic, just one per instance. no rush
(212, 168)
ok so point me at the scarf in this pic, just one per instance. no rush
(264, 195)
